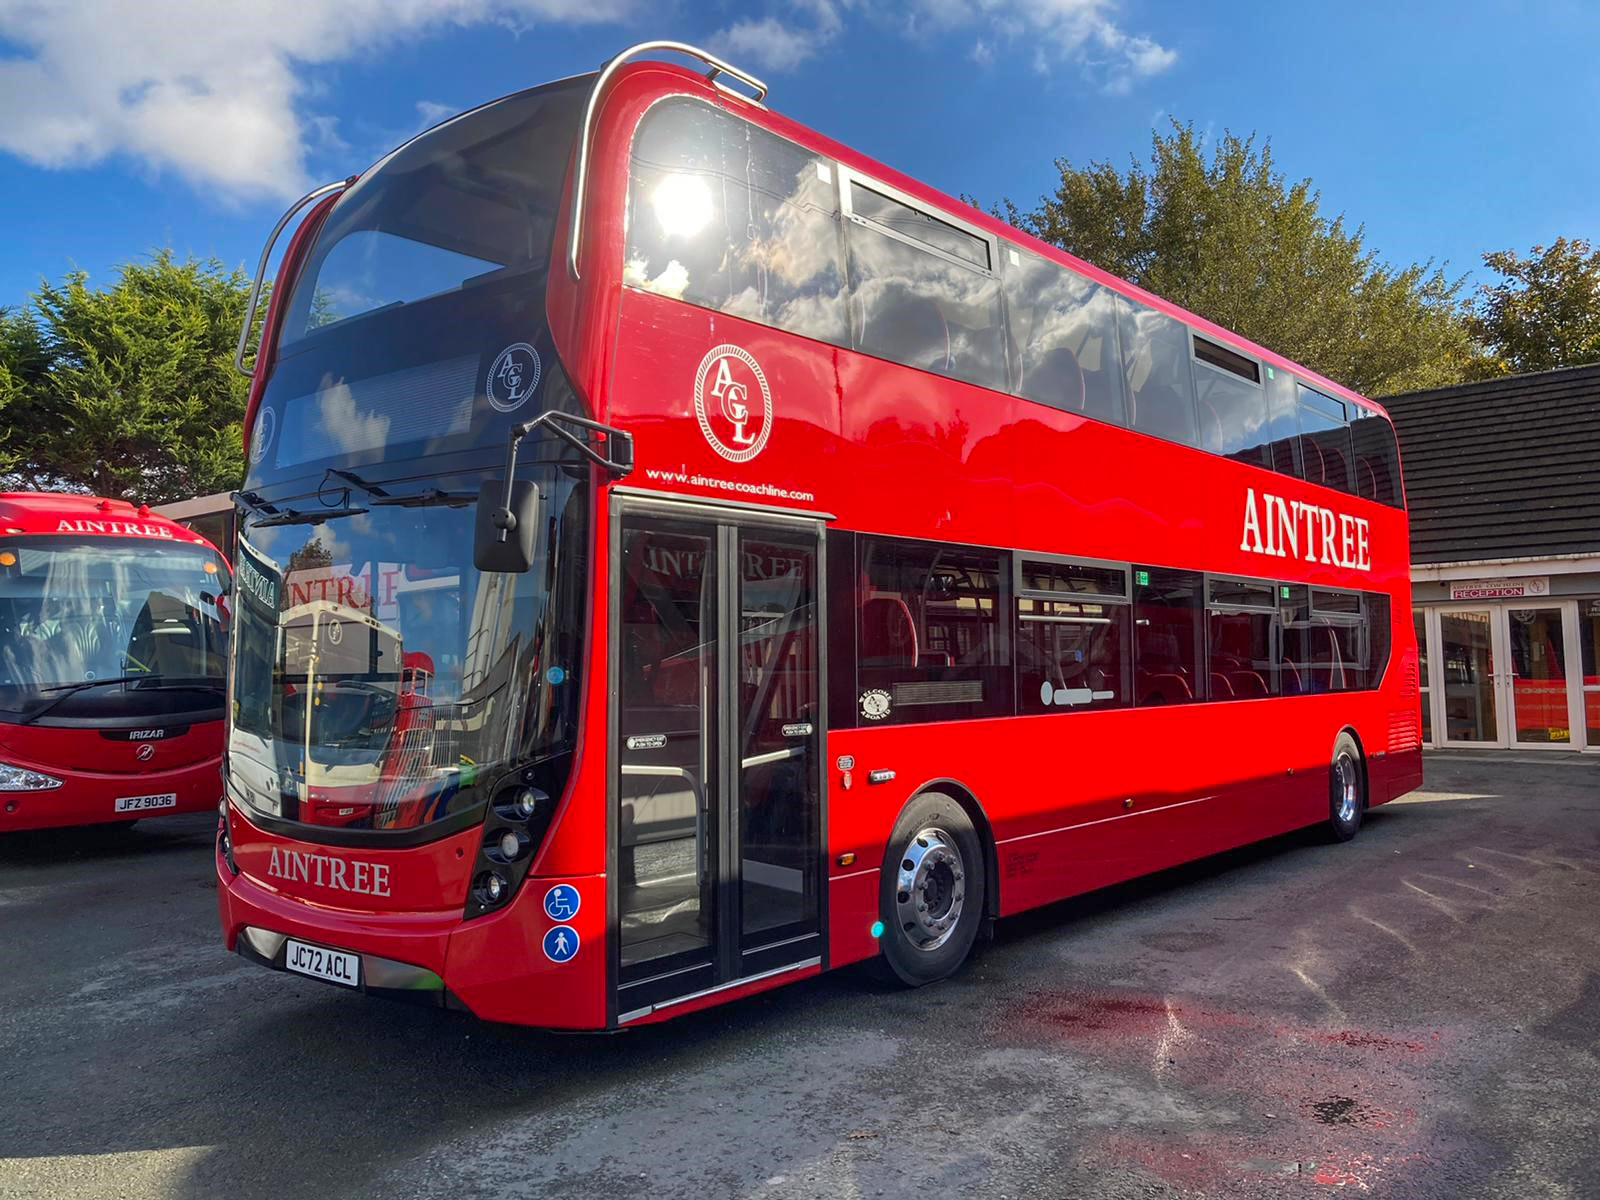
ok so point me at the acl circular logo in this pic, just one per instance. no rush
(733, 403)
(261, 436)
(513, 377)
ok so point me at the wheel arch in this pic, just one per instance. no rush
(968, 800)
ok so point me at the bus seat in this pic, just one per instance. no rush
(888, 634)
(1164, 688)
(1057, 380)
(1221, 689)
(1248, 684)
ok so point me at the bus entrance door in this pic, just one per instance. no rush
(718, 736)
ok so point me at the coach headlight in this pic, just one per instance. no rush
(21, 779)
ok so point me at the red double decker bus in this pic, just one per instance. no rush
(112, 645)
(809, 568)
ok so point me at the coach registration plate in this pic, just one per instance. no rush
(127, 804)
(333, 965)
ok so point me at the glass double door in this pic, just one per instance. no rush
(717, 821)
(1507, 676)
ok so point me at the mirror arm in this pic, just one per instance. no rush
(618, 445)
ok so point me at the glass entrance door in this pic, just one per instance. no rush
(717, 751)
(1467, 677)
(1540, 700)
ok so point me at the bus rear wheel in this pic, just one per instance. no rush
(1347, 789)
(931, 895)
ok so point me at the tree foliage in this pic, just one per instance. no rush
(1545, 313)
(1227, 237)
(129, 391)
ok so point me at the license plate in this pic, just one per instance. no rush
(321, 963)
(126, 804)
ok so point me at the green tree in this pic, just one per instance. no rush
(24, 363)
(1545, 313)
(138, 397)
(1227, 237)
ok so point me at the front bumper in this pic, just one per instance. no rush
(492, 966)
(90, 797)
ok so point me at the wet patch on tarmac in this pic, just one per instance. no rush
(1328, 1106)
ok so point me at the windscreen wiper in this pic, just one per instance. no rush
(381, 498)
(68, 690)
(293, 516)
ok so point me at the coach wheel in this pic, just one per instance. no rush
(932, 891)
(1347, 789)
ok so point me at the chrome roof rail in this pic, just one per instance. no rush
(580, 178)
(261, 270)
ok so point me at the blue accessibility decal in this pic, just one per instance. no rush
(561, 902)
(561, 943)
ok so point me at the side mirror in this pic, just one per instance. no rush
(507, 526)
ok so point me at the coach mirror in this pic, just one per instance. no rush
(507, 524)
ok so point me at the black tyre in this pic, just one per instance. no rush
(931, 895)
(1347, 789)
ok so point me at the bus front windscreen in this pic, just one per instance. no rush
(110, 629)
(381, 682)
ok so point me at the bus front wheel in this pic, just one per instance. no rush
(1347, 789)
(931, 895)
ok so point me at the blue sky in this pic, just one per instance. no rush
(1447, 129)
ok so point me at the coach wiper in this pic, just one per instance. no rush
(508, 508)
(381, 498)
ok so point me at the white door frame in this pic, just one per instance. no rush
(1497, 651)
(1502, 686)
(1572, 675)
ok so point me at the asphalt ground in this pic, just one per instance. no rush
(1414, 1014)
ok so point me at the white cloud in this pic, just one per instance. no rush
(214, 93)
(226, 96)
(767, 44)
(1054, 32)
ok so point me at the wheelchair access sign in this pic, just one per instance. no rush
(561, 902)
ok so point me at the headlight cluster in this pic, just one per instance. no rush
(512, 831)
(21, 779)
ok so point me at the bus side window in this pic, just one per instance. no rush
(1240, 663)
(1230, 403)
(1377, 458)
(1155, 362)
(1324, 439)
(1167, 636)
(1063, 329)
(730, 217)
(923, 292)
(1282, 432)
(930, 641)
(1073, 624)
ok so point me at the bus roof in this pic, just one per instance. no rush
(87, 516)
(687, 81)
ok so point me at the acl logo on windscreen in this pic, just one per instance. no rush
(733, 403)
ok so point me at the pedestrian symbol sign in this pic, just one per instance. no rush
(561, 902)
(561, 943)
